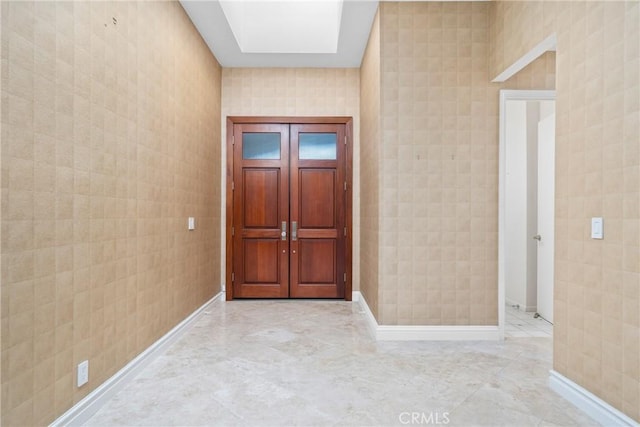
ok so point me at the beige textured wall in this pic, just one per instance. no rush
(438, 189)
(440, 163)
(540, 74)
(518, 26)
(370, 168)
(296, 92)
(597, 283)
(110, 139)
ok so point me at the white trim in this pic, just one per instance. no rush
(437, 333)
(520, 307)
(504, 96)
(87, 407)
(588, 402)
(548, 44)
(369, 317)
(424, 332)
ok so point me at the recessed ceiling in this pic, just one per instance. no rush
(267, 26)
(275, 33)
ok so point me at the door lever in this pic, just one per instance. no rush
(537, 237)
(294, 231)
(284, 230)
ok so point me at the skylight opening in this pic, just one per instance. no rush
(274, 26)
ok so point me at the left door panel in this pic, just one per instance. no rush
(261, 211)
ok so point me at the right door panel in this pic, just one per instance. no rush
(317, 208)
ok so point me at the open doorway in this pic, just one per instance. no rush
(526, 209)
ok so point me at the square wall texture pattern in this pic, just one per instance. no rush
(597, 282)
(370, 208)
(438, 186)
(434, 171)
(113, 126)
(110, 140)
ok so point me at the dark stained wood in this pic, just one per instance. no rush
(260, 234)
(318, 205)
(317, 198)
(318, 233)
(318, 261)
(261, 261)
(229, 215)
(314, 265)
(348, 247)
(260, 205)
(260, 193)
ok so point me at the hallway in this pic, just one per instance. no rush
(313, 363)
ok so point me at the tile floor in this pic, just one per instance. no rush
(520, 324)
(313, 363)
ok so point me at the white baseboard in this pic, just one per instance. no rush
(511, 302)
(521, 307)
(588, 402)
(372, 323)
(438, 333)
(87, 407)
(425, 333)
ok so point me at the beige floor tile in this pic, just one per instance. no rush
(280, 363)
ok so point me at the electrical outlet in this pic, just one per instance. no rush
(191, 224)
(83, 373)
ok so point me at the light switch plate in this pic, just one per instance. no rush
(83, 373)
(192, 223)
(597, 228)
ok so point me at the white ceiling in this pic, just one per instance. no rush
(265, 45)
(262, 26)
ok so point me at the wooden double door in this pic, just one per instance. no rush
(289, 228)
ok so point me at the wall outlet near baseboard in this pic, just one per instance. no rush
(83, 373)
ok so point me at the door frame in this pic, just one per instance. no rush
(348, 122)
(508, 95)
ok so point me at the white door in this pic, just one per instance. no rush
(546, 195)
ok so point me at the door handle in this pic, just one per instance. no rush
(537, 237)
(294, 230)
(284, 230)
